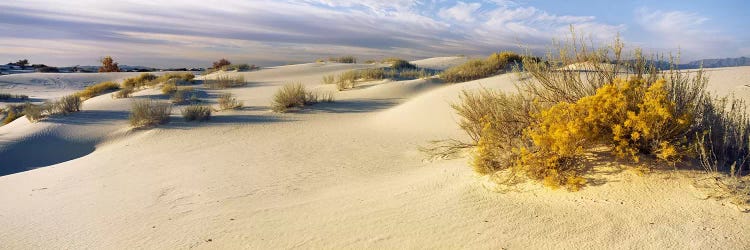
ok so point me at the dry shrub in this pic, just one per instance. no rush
(480, 68)
(184, 95)
(225, 81)
(221, 63)
(227, 101)
(139, 81)
(108, 65)
(196, 113)
(399, 64)
(294, 95)
(148, 113)
(343, 59)
(329, 79)
(168, 88)
(561, 113)
(12, 113)
(347, 80)
(34, 112)
(6, 96)
(123, 93)
(97, 89)
(67, 105)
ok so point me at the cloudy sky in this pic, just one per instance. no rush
(183, 33)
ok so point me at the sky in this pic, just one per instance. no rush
(193, 33)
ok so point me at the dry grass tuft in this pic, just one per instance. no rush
(97, 89)
(294, 95)
(228, 101)
(148, 113)
(225, 81)
(196, 113)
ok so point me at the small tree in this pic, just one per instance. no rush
(22, 63)
(108, 65)
(221, 63)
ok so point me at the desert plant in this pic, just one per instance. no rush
(147, 113)
(294, 95)
(347, 80)
(400, 64)
(6, 96)
(12, 113)
(343, 59)
(123, 93)
(168, 88)
(139, 81)
(227, 101)
(108, 65)
(67, 105)
(327, 79)
(97, 89)
(480, 68)
(196, 113)
(33, 112)
(221, 63)
(225, 81)
(183, 96)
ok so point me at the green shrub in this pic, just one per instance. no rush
(225, 81)
(148, 113)
(196, 113)
(294, 95)
(97, 89)
(227, 101)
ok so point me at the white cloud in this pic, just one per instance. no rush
(463, 12)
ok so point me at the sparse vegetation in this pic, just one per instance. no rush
(343, 59)
(97, 89)
(545, 130)
(12, 112)
(228, 101)
(400, 64)
(327, 79)
(138, 82)
(294, 95)
(196, 113)
(349, 79)
(480, 68)
(123, 93)
(184, 95)
(6, 96)
(67, 105)
(34, 112)
(148, 113)
(168, 88)
(108, 65)
(225, 81)
(221, 63)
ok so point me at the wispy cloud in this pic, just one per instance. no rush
(194, 32)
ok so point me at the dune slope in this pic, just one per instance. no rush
(343, 175)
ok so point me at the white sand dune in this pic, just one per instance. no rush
(343, 175)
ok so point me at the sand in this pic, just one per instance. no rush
(344, 175)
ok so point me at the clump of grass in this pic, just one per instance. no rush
(227, 101)
(123, 93)
(225, 81)
(196, 113)
(294, 95)
(347, 80)
(400, 64)
(343, 59)
(6, 96)
(148, 113)
(34, 112)
(414, 74)
(480, 68)
(67, 105)
(97, 89)
(329, 79)
(138, 82)
(12, 112)
(184, 95)
(168, 88)
(241, 67)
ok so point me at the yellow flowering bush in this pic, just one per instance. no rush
(632, 117)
